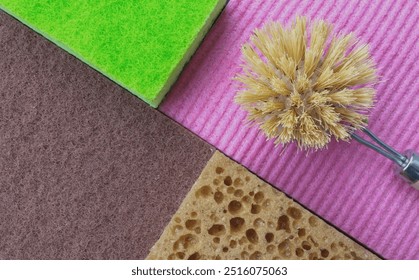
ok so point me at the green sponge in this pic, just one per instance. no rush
(142, 45)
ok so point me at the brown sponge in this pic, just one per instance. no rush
(231, 214)
(85, 166)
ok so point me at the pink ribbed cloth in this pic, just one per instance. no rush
(349, 185)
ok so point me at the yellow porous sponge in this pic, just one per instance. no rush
(142, 45)
(231, 214)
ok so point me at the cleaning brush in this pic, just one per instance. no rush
(306, 86)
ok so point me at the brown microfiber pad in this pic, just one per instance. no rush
(87, 171)
(231, 214)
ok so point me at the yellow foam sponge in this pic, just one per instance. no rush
(142, 45)
(231, 214)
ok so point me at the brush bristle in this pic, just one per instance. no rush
(306, 88)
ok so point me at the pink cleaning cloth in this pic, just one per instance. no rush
(349, 185)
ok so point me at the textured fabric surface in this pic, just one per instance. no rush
(347, 184)
(141, 45)
(87, 170)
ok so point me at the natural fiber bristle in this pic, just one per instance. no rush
(306, 88)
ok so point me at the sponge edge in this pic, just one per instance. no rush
(143, 46)
(199, 37)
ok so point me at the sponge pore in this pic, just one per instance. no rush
(142, 45)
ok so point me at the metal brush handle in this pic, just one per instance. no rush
(407, 165)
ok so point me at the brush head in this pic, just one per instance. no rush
(306, 85)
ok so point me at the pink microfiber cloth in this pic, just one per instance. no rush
(350, 186)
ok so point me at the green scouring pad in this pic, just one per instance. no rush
(142, 45)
